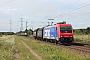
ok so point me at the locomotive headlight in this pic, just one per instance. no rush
(71, 36)
(61, 36)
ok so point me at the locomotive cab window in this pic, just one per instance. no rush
(67, 29)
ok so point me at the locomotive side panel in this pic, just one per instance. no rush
(50, 32)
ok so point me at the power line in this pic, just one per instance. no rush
(26, 28)
(21, 28)
(74, 10)
(26, 25)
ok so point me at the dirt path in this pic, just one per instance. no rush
(16, 54)
(36, 55)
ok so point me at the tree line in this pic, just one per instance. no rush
(30, 32)
(6, 33)
(82, 31)
(76, 31)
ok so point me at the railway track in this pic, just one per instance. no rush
(77, 48)
(81, 50)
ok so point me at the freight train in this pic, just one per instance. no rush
(57, 33)
(21, 34)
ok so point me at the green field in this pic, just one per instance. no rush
(82, 38)
(7, 48)
(48, 52)
(9, 44)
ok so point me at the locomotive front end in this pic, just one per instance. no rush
(65, 33)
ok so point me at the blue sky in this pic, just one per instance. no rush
(37, 13)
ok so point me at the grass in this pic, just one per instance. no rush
(48, 52)
(7, 48)
(9, 44)
(24, 53)
(82, 38)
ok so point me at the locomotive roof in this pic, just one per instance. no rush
(64, 24)
(49, 26)
(57, 24)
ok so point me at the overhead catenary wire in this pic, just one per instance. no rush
(73, 10)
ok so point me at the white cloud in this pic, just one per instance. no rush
(41, 10)
(7, 9)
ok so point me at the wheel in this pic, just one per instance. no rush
(69, 44)
(46, 40)
(56, 42)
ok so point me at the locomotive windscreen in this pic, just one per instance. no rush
(66, 29)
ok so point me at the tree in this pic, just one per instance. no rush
(78, 31)
(30, 31)
(88, 30)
